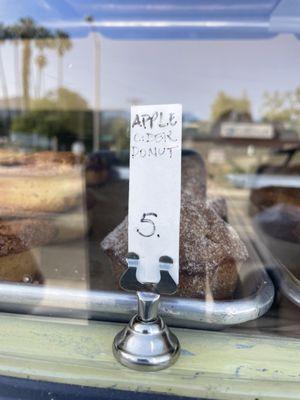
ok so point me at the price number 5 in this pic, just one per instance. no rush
(148, 219)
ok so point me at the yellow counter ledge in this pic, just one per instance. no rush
(212, 365)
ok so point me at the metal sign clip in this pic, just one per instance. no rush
(129, 281)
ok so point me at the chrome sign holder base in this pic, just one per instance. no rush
(146, 343)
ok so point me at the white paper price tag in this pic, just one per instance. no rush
(155, 188)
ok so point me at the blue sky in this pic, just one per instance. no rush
(187, 72)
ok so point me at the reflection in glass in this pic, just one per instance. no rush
(62, 203)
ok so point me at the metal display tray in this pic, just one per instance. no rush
(283, 274)
(286, 281)
(252, 299)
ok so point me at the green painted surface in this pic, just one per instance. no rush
(212, 364)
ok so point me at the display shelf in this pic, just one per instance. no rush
(212, 365)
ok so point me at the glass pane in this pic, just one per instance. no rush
(64, 169)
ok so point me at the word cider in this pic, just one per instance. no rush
(153, 135)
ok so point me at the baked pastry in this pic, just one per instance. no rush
(18, 235)
(27, 192)
(210, 251)
(96, 169)
(11, 157)
(69, 226)
(265, 197)
(281, 221)
(34, 191)
(219, 205)
(50, 157)
(42, 183)
(193, 175)
(21, 267)
(193, 182)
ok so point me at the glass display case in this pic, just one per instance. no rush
(70, 71)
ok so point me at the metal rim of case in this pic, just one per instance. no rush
(120, 306)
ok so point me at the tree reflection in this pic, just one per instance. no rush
(27, 32)
(62, 45)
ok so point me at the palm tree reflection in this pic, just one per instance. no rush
(62, 45)
(26, 31)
